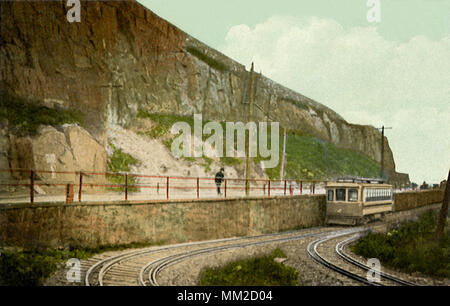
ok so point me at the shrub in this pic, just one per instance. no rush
(120, 162)
(410, 248)
(31, 268)
(257, 271)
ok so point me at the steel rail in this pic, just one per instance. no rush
(106, 264)
(160, 264)
(312, 252)
(340, 251)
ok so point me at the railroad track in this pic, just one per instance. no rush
(152, 269)
(131, 267)
(142, 267)
(96, 273)
(333, 257)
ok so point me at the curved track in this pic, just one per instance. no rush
(340, 251)
(348, 269)
(96, 273)
(132, 265)
(142, 267)
(152, 269)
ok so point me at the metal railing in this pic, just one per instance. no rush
(145, 187)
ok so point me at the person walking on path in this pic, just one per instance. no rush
(218, 179)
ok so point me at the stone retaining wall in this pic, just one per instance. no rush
(414, 199)
(59, 225)
(92, 225)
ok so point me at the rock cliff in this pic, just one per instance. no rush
(122, 58)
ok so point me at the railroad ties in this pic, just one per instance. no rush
(329, 252)
(144, 266)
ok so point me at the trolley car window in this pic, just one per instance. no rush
(330, 195)
(378, 194)
(353, 195)
(340, 194)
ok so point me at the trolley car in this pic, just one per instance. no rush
(355, 201)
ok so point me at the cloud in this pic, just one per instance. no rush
(364, 77)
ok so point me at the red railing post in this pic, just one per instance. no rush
(268, 190)
(284, 187)
(126, 187)
(225, 192)
(69, 193)
(167, 188)
(291, 191)
(301, 187)
(198, 188)
(31, 187)
(314, 187)
(81, 184)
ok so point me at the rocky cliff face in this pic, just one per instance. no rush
(122, 58)
(71, 148)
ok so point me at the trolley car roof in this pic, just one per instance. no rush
(356, 185)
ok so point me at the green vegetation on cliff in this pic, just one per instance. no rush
(308, 157)
(207, 59)
(257, 271)
(120, 162)
(162, 123)
(24, 117)
(312, 158)
(410, 248)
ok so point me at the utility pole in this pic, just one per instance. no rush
(111, 86)
(283, 157)
(108, 106)
(250, 119)
(382, 174)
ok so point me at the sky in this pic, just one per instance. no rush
(374, 62)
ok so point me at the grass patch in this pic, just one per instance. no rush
(207, 163)
(207, 59)
(311, 158)
(257, 271)
(25, 117)
(120, 161)
(162, 124)
(117, 163)
(31, 268)
(410, 248)
(230, 161)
